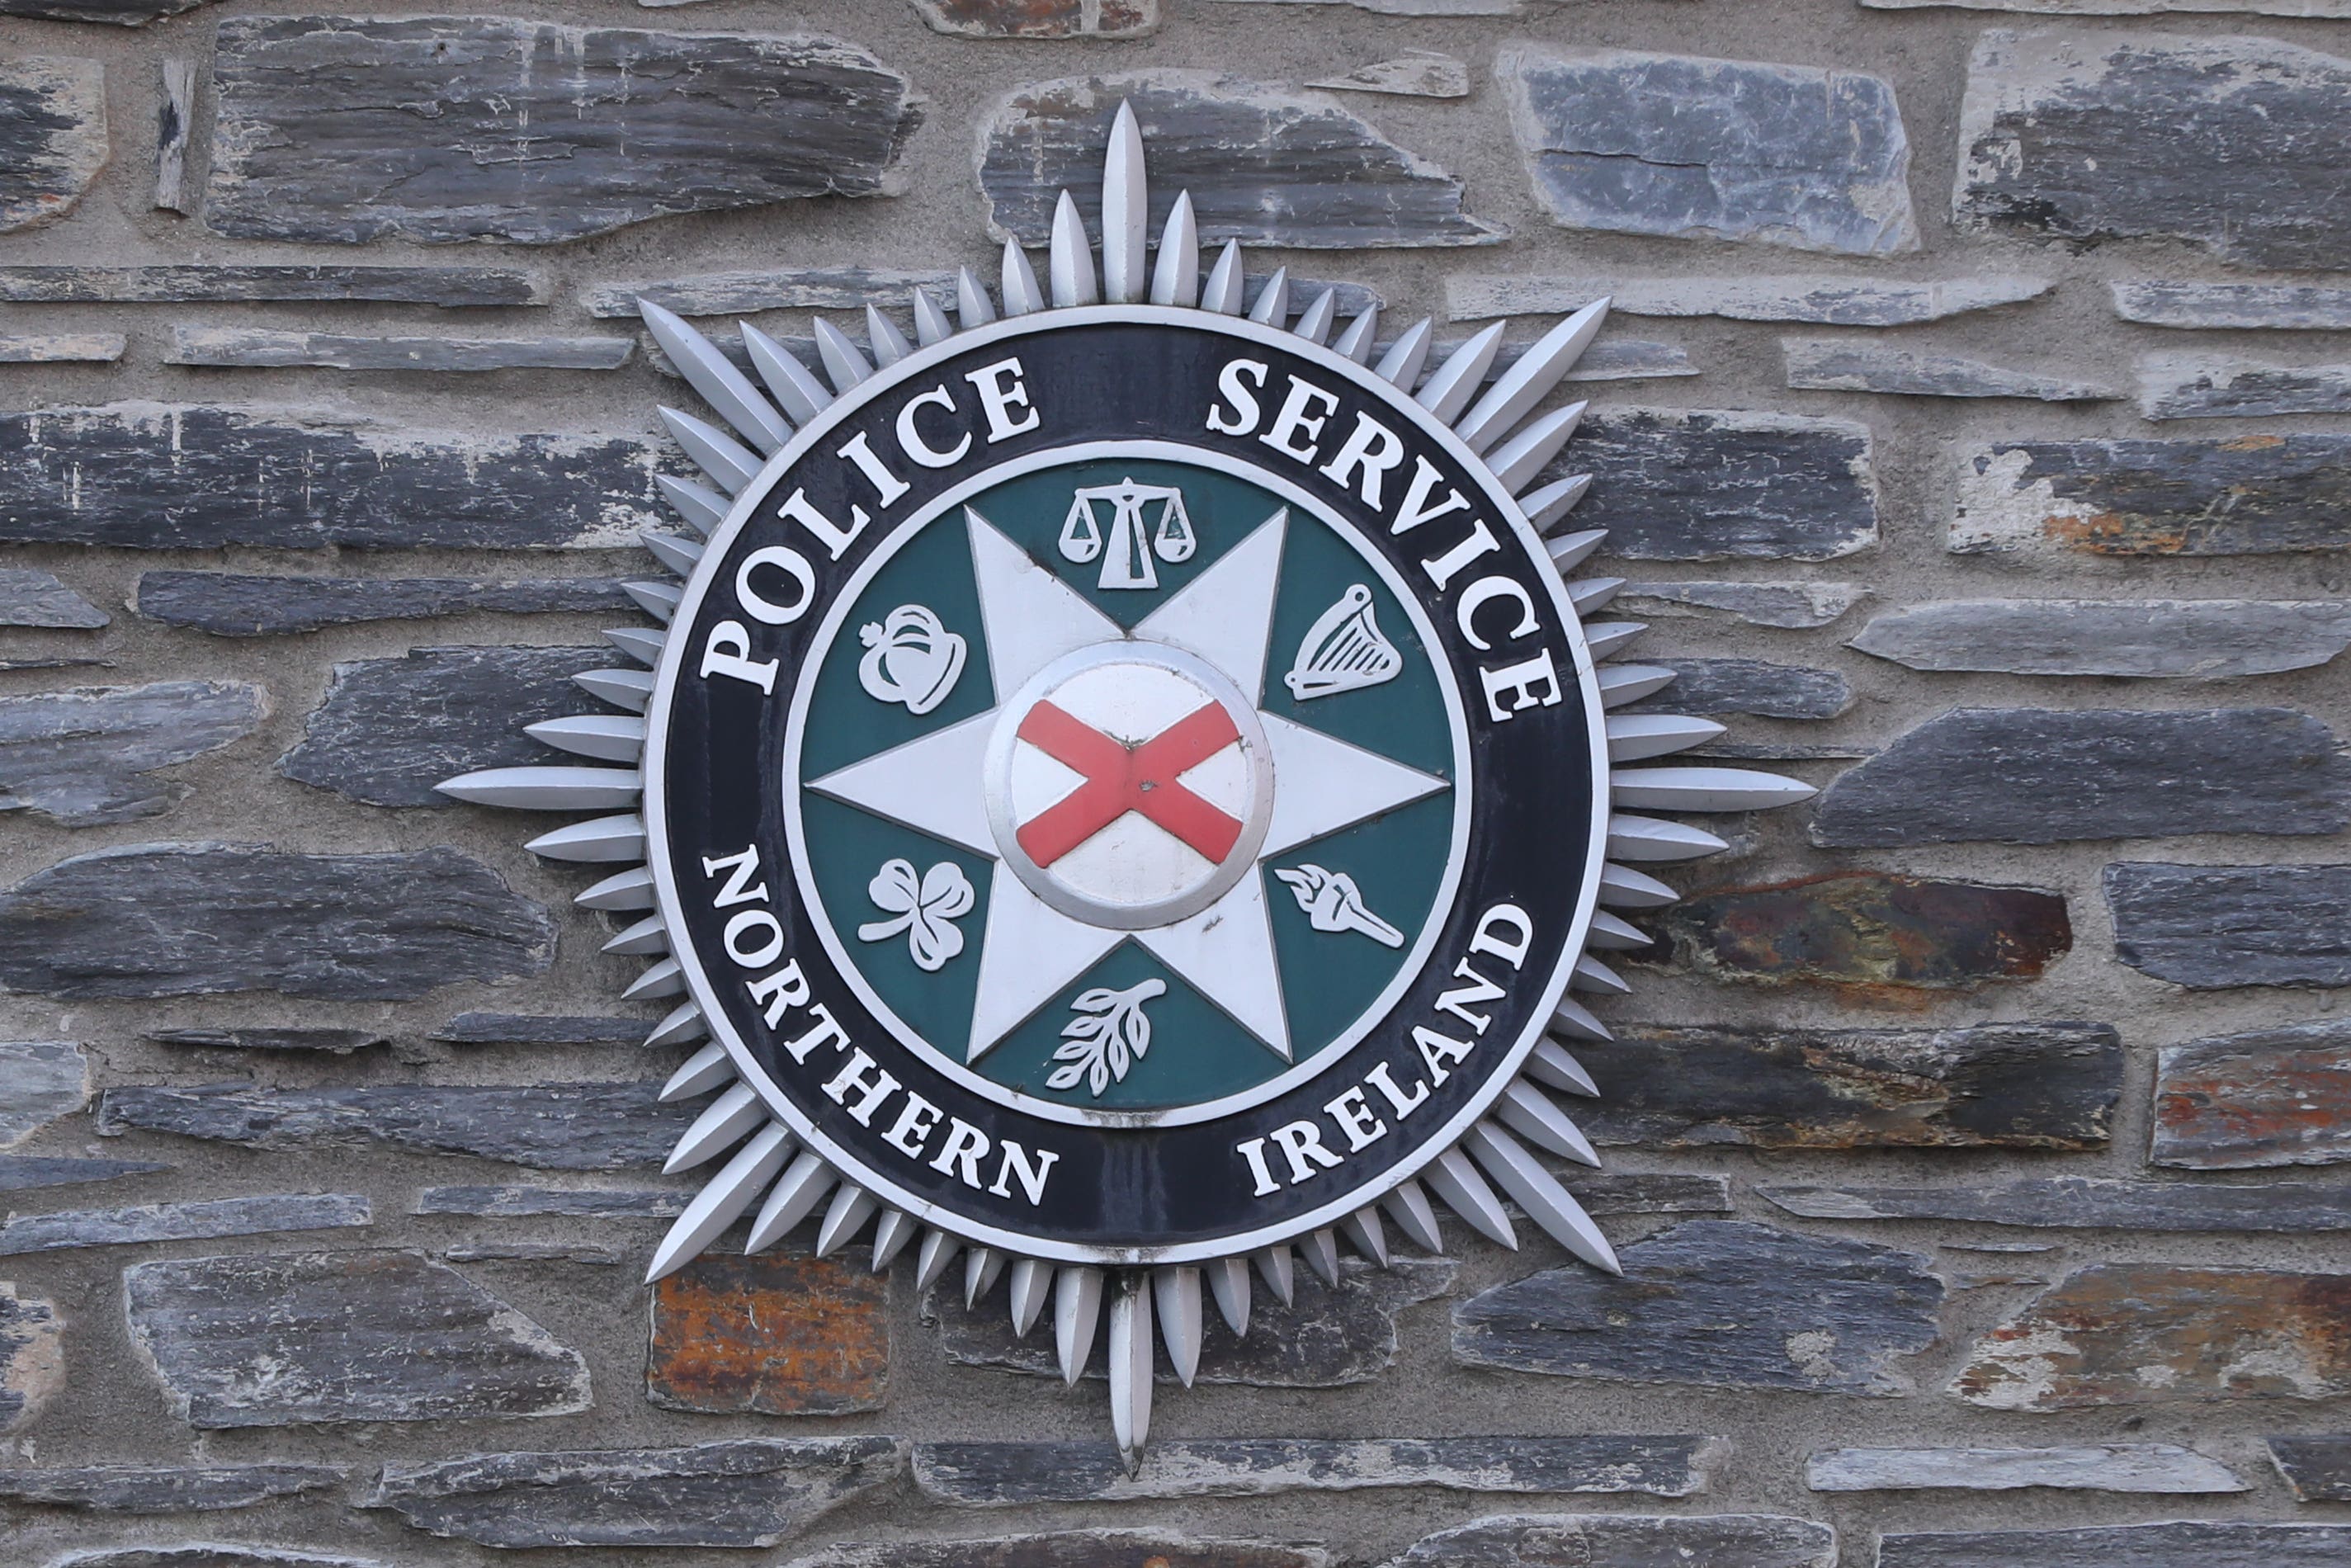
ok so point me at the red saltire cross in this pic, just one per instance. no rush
(1119, 779)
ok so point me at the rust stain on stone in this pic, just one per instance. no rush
(2114, 533)
(1872, 931)
(773, 1334)
(2270, 1098)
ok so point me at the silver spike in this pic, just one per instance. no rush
(681, 1025)
(675, 551)
(1623, 684)
(1070, 258)
(717, 1205)
(795, 386)
(1278, 1269)
(1402, 364)
(1321, 1250)
(553, 787)
(1517, 461)
(1517, 390)
(644, 936)
(1125, 210)
(851, 1207)
(1655, 839)
(795, 1196)
(1175, 1292)
(1527, 1110)
(1407, 1204)
(1591, 595)
(600, 841)
(887, 344)
(1553, 1066)
(938, 1250)
(1610, 934)
(1226, 279)
(1175, 275)
(630, 689)
(1356, 342)
(643, 646)
(1633, 737)
(706, 1069)
(931, 323)
(972, 307)
(891, 1234)
(1596, 979)
(982, 1267)
(1606, 639)
(1575, 1021)
(1449, 391)
(1021, 295)
(725, 1122)
(1369, 1237)
(625, 890)
(845, 364)
(726, 460)
(658, 600)
(1628, 889)
(1572, 550)
(1453, 1178)
(607, 738)
(1703, 788)
(1272, 307)
(1030, 1278)
(722, 386)
(704, 509)
(1315, 321)
(1550, 1206)
(1130, 1364)
(1555, 500)
(1077, 1314)
(1228, 1281)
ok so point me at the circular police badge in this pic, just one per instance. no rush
(1125, 789)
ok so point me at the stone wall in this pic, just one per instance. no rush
(1975, 428)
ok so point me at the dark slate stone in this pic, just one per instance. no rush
(52, 136)
(1041, 18)
(1008, 1474)
(2211, 926)
(1868, 928)
(259, 348)
(2264, 1098)
(19, 1173)
(32, 1356)
(40, 1081)
(1627, 1540)
(1719, 1304)
(534, 1252)
(1846, 366)
(1825, 300)
(201, 1221)
(538, 1028)
(2164, 1468)
(2039, 775)
(2179, 1544)
(1788, 606)
(1645, 1192)
(194, 284)
(1691, 484)
(2291, 307)
(250, 604)
(583, 1203)
(2318, 1468)
(61, 347)
(1989, 1085)
(2232, 142)
(84, 758)
(122, 13)
(2226, 386)
(2086, 1203)
(2165, 639)
(551, 1126)
(189, 476)
(177, 920)
(1707, 148)
(1069, 1548)
(1755, 687)
(332, 1042)
(1265, 166)
(345, 129)
(2261, 493)
(1327, 1339)
(752, 1492)
(391, 730)
(291, 1338)
(164, 1489)
(210, 1554)
(175, 113)
(788, 289)
(29, 597)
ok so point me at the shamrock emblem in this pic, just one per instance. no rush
(1110, 1035)
(926, 910)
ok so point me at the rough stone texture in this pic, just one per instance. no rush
(278, 1339)
(1627, 1540)
(1789, 606)
(2260, 494)
(61, 347)
(29, 597)
(796, 289)
(261, 347)
(2084, 1203)
(196, 283)
(1869, 929)
(1645, 1192)
(1327, 1339)
(1069, 1548)
(2318, 1468)
(210, 1554)
(2162, 639)
(173, 117)
(1836, 302)
(1008, 1474)
(22, 1172)
(2212, 926)
(748, 1492)
(161, 1489)
(1842, 365)
(40, 1081)
(32, 1356)
(2150, 1333)
(1693, 485)
(550, 1126)
(391, 730)
(1041, 18)
(1755, 687)
(1678, 145)
(2230, 1545)
(332, 1042)
(87, 757)
(2040, 776)
(583, 1203)
(776, 1335)
(2290, 306)
(2163, 1467)
(2234, 143)
(341, 129)
(202, 1221)
(2245, 1102)
(121, 13)
(1990, 1085)
(1718, 1303)
(52, 136)
(1422, 73)
(249, 604)
(190, 476)
(2130, 7)
(175, 920)
(540, 1028)
(1264, 165)
(2222, 386)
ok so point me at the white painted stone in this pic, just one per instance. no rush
(2296, 307)
(2225, 386)
(1421, 73)
(1842, 365)
(40, 1081)
(2102, 1467)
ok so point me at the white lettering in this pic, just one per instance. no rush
(886, 484)
(1378, 1079)
(1479, 990)
(723, 654)
(1355, 1118)
(911, 439)
(912, 1128)
(1303, 1141)
(799, 508)
(1532, 682)
(1374, 448)
(1491, 588)
(868, 1082)
(771, 948)
(1017, 1165)
(997, 401)
(826, 1032)
(1513, 953)
(965, 1145)
(1442, 569)
(792, 564)
(738, 868)
(1436, 1050)
(1293, 421)
(1416, 509)
(780, 992)
(1232, 382)
(1253, 1151)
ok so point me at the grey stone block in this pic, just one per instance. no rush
(32, 1356)
(328, 1041)
(194, 283)
(2282, 306)
(2263, 1098)
(1842, 365)
(255, 348)
(1717, 1303)
(1421, 73)
(2162, 1468)
(345, 129)
(1264, 165)
(204, 1221)
(2040, 776)
(541, 1028)
(2256, 494)
(164, 1489)
(2318, 1468)
(537, 1252)
(1041, 18)
(788, 289)
(251, 605)
(753, 1491)
(1791, 606)
(1627, 1540)
(175, 920)
(1644, 1192)
(1694, 148)
(2160, 639)
(85, 757)
(1699, 484)
(2181, 1544)
(391, 730)
(1755, 687)
(40, 1081)
(209, 1554)
(2085, 1203)
(2222, 386)
(52, 136)
(61, 347)
(292, 1338)
(21, 1173)
(2337, 8)
(2209, 927)
(2230, 142)
(1157, 1548)
(29, 597)
(121, 13)
(1827, 301)
(582, 1203)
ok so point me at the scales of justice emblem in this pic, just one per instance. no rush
(1126, 792)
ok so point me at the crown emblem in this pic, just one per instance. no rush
(911, 658)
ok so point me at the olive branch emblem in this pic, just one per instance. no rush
(1110, 1035)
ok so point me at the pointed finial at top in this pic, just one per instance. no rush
(1126, 203)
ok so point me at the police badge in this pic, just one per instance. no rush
(1126, 789)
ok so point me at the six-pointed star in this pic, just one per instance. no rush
(1032, 950)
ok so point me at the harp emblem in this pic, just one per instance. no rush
(1342, 651)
